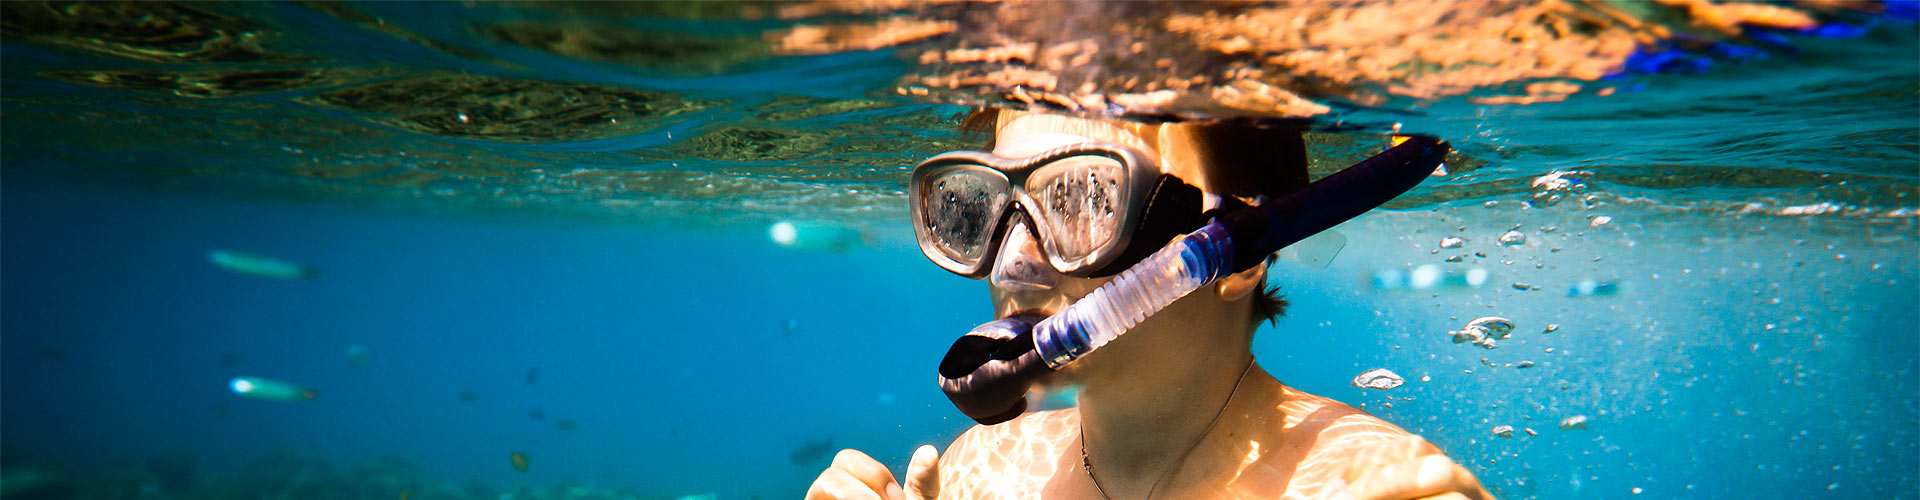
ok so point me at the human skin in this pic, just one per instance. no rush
(1150, 395)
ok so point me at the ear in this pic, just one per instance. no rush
(1241, 284)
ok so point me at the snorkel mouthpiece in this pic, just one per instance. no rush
(988, 371)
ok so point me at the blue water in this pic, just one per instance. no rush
(670, 347)
(1753, 351)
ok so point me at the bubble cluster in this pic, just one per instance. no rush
(1485, 332)
(1513, 238)
(1378, 378)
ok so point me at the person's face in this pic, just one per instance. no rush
(1021, 280)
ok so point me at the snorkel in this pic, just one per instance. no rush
(987, 372)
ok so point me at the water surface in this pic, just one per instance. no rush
(585, 193)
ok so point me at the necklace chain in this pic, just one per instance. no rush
(1086, 462)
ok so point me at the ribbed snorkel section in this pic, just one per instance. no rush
(1185, 265)
(1196, 259)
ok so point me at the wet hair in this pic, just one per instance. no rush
(1253, 160)
(1268, 305)
(1250, 158)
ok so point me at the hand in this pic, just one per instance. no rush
(854, 475)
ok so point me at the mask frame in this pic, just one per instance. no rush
(1146, 198)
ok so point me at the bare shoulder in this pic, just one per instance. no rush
(1009, 460)
(1348, 449)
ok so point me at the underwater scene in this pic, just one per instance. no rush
(664, 250)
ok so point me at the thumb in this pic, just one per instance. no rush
(923, 474)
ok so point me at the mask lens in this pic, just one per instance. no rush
(960, 206)
(1080, 196)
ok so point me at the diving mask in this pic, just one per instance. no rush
(1095, 207)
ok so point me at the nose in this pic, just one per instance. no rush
(1020, 266)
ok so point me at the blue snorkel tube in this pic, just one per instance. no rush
(987, 372)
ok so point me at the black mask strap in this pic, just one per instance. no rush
(1173, 209)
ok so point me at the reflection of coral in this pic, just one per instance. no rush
(797, 10)
(1727, 18)
(656, 49)
(1536, 92)
(1296, 59)
(497, 108)
(1422, 50)
(210, 83)
(1259, 97)
(150, 31)
(824, 39)
(346, 12)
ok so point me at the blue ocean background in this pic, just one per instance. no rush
(1763, 237)
(672, 348)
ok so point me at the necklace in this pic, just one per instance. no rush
(1086, 463)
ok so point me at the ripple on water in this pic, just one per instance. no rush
(509, 109)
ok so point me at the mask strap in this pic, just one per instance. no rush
(1173, 208)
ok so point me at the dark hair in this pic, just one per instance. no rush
(1258, 159)
(1268, 305)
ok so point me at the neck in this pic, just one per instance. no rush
(1140, 425)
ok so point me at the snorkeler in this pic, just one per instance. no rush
(1147, 242)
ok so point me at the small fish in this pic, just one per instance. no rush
(566, 425)
(467, 396)
(536, 414)
(359, 355)
(812, 452)
(259, 265)
(533, 376)
(269, 389)
(519, 459)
